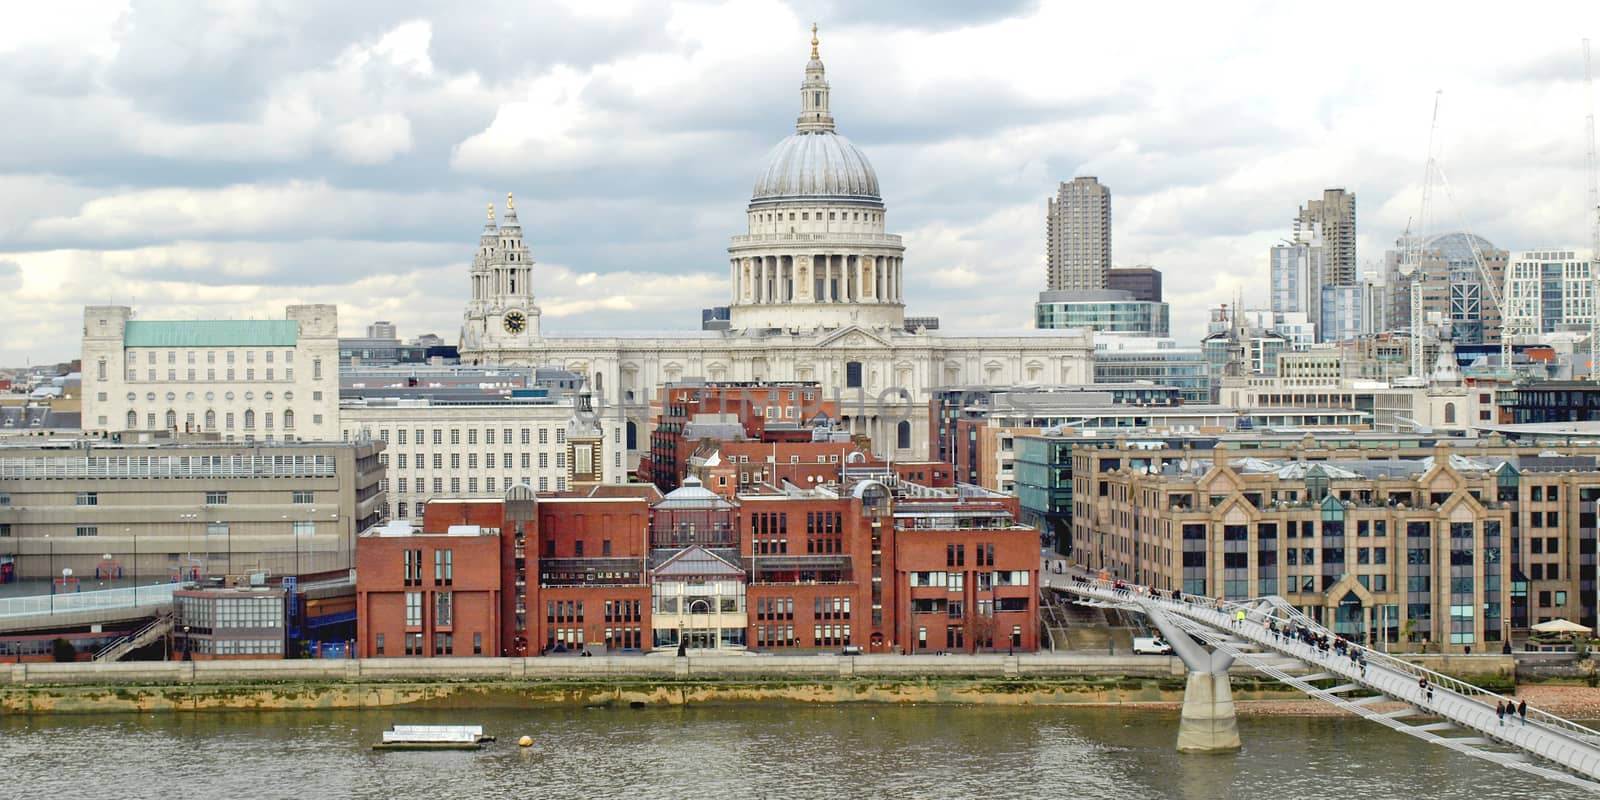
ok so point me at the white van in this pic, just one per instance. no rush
(1151, 646)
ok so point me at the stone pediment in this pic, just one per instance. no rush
(853, 337)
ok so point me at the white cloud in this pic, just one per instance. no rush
(373, 140)
(277, 158)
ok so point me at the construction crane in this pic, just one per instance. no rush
(1414, 251)
(1432, 170)
(1594, 232)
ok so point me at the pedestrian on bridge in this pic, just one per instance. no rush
(1522, 711)
(1500, 711)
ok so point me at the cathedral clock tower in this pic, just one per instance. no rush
(501, 315)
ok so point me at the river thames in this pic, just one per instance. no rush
(778, 751)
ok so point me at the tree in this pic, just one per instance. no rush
(983, 625)
(63, 650)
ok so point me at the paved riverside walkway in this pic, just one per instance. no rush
(1457, 706)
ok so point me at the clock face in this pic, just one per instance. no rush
(515, 322)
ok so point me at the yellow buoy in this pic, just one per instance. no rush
(526, 741)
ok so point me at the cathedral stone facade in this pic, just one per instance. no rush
(817, 295)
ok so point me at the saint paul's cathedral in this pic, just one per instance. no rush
(817, 295)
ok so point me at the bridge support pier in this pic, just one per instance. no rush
(1207, 724)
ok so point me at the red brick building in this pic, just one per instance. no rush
(762, 411)
(966, 573)
(731, 467)
(873, 561)
(431, 592)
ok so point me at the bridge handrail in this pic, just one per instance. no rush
(1278, 604)
(161, 619)
(1453, 684)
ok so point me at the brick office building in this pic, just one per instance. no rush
(873, 561)
(434, 591)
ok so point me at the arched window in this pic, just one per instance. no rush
(902, 437)
(172, 419)
(599, 383)
(1449, 413)
(211, 420)
(249, 419)
(133, 421)
(288, 420)
(633, 435)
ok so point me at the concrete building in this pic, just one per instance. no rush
(117, 515)
(1143, 282)
(1454, 291)
(369, 352)
(382, 329)
(1078, 236)
(1332, 219)
(1444, 406)
(437, 448)
(1552, 401)
(1547, 291)
(1104, 310)
(982, 432)
(242, 623)
(239, 379)
(1120, 360)
(818, 292)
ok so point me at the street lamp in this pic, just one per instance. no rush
(186, 656)
(188, 541)
(130, 534)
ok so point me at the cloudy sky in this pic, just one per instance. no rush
(228, 161)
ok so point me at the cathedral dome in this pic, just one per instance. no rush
(818, 165)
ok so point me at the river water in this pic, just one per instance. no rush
(735, 751)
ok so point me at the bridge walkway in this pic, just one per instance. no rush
(1454, 714)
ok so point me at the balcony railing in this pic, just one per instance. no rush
(861, 238)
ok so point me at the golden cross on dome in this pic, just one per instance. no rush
(814, 40)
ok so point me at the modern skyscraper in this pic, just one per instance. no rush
(1297, 270)
(1334, 218)
(1078, 236)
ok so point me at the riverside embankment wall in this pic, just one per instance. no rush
(653, 680)
(656, 680)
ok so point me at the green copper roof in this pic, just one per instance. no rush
(212, 333)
